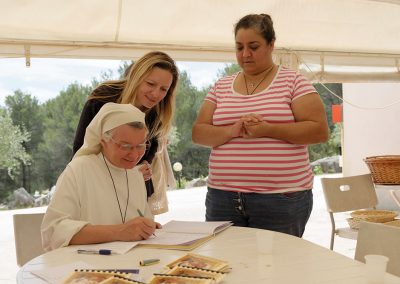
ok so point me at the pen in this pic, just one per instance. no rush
(150, 261)
(141, 215)
(100, 251)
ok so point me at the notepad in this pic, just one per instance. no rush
(185, 235)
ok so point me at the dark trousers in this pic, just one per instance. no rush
(281, 212)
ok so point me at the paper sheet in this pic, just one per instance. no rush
(58, 273)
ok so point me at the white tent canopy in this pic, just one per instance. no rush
(333, 38)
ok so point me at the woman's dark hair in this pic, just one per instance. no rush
(261, 23)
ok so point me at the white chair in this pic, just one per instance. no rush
(375, 238)
(28, 240)
(344, 194)
(396, 196)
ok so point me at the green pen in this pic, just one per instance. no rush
(141, 215)
(150, 261)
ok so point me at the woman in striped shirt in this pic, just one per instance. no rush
(258, 123)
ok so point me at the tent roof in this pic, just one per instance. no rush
(331, 37)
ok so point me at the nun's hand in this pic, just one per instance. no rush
(145, 169)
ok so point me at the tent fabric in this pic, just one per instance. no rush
(332, 38)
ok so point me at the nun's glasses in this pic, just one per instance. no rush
(126, 147)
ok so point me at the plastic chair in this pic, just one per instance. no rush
(344, 194)
(377, 238)
(28, 240)
(396, 196)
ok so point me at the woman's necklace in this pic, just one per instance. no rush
(123, 218)
(252, 84)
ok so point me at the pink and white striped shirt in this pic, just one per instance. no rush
(262, 165)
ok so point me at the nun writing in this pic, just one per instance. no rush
(101, 194)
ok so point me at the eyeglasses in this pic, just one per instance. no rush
(126, 147)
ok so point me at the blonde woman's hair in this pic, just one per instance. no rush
(129, 85)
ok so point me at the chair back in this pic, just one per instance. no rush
(396, 196)
(349, 193)
(375, 238)
(28, 240)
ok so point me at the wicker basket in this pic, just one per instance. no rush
(384, 169)
(395, 223)
(375, 216)
(354, 224)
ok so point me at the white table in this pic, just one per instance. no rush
(292, 260)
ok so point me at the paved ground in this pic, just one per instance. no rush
(187, 204)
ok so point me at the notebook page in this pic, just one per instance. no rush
(195, 227)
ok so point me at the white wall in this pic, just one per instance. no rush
(369, 132)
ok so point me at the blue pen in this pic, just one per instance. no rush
(100, 251)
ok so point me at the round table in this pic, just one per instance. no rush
(288, 259)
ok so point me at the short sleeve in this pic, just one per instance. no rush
(211, 95)
(302, 86)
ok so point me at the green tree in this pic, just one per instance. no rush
(12, 152)
(122, 68)
(332, 146)
(61, 117)
(229, 69)
(25, 112)
(193, 157)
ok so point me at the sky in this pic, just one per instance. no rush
(45, 78)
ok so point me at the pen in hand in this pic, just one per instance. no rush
(141, 215)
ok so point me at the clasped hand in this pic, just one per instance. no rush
(248, 126)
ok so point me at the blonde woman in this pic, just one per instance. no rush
(149, 85)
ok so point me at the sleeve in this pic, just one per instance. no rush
(150, 153)
(90, 109)
(211, 95)
(140, 193)
(149, 156)
(162, 178)
(301, 86)
(61, 221)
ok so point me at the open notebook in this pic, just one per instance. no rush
(184, 235)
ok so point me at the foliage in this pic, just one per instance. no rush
(229, 69)
(61, 116)
(317, 170)
(332, 147)
(183, 182)
(122, 69)
(36, 140)
(329, 99)
(26, 113)
(12, 152)
(193, 158)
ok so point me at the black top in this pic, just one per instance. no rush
(92, 107)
